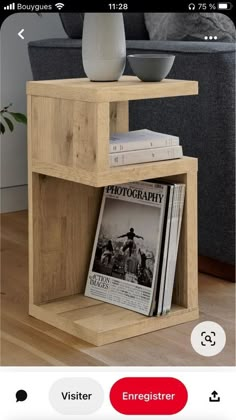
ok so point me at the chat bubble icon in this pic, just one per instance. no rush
(21, 395)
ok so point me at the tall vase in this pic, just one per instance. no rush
(103, 46)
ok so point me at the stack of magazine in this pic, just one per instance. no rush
(143, 146)
(135, 249)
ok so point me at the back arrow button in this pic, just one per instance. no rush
(20, 34)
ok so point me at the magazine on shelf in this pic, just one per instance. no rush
(142, 156)
(126, 254)
(165, 249)
(141, 139)
(176, 221)
(170, 247)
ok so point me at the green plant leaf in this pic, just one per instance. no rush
(5, 108)
(21, 118)
(2, 128)
(8, 106)
(9, 123)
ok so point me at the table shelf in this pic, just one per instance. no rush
(101, 323)
(117, 175)
(68, 137)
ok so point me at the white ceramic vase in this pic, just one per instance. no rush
(103, 46)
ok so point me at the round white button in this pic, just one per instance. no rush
(208, 338)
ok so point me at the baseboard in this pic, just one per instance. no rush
(13, 199)
(216, 268)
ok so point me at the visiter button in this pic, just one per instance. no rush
(143, 396)
(76, 396)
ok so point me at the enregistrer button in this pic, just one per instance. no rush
(140, 396)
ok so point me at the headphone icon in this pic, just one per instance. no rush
(191, 6)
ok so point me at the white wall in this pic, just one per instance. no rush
(15, 71)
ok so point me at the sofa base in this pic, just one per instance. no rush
(216, 268)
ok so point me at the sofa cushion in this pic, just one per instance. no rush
(189, 26)
(72, 24)
(135, 27)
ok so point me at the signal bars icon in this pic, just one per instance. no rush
(10, 7)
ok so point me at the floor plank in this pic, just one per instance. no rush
(28, 342)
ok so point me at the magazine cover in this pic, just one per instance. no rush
(126, 250)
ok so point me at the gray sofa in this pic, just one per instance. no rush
(204, 123)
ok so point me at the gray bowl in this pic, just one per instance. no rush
(151, 67)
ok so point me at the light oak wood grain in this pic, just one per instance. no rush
(64, 223)
(126, 89)
(73, 119)
(117, 175)
(70, 122)
(74, 134)
(103, 324)
(119, 117)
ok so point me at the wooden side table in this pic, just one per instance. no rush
(69, 126)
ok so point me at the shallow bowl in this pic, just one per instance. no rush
(151, 67)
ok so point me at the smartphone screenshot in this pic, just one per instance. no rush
(117, 210)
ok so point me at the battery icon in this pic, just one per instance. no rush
(224, 6)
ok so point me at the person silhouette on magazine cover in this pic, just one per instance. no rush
(107, 252)
(129, 244)
(144, 273)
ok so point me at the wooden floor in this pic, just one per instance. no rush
(26, 341)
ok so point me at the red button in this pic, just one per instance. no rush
(148, 396)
